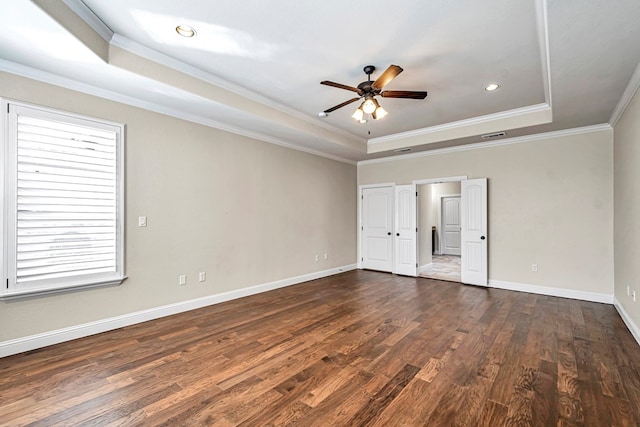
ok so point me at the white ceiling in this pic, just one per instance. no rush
(254, 67)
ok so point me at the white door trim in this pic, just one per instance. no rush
(440, 180)
(360, 188)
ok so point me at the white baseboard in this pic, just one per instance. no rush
(44, 339)
(631, 325)
(554, 292)
(424, 267)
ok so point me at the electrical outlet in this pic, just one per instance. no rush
(317, 258)
(326, 256)
(534, 268)
(628, 290)
(182, 279)
(202, 276)
(633, 295)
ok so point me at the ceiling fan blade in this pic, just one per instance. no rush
(403, 94)
(388, 75)
(341, 105)
(341, 86)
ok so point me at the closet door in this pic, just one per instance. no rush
(376, 229)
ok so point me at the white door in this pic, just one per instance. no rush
(450, 225)
(474, 231)
(377, 226)
(405, 231)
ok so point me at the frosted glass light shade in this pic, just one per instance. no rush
(369, 106)
(379, 113)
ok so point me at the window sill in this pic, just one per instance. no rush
(34, 293)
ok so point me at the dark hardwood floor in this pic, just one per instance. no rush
(360, 348)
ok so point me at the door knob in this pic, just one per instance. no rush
(389, 233)
(398, 234)
(481, 237)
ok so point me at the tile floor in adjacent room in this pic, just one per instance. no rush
(443, 267)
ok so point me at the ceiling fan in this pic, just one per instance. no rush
(369, 90)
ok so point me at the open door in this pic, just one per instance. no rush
(405, 231)
(473, 210)
(377, 226)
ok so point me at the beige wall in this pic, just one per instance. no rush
(627, 208)
(550, 203)
(244, 211)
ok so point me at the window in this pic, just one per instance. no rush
(63, 201)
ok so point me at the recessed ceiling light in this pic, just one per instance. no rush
(362, 121)
(322, 114)
(185, 31)
(492, 87)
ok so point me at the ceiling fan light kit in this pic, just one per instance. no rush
(368, 90)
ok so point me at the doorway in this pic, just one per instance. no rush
(439, 236)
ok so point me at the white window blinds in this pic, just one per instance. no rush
(66, 216)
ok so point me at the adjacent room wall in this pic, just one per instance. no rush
(550, 203)
(425, 211)
(627, 210)
(245, 212)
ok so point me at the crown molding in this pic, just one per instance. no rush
(145, 52)
(543, 38)
(516, 112)
(90, 18)
(542, 22)
(627, 96)
(56, 80)
(482, 145)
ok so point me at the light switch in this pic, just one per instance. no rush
(142, 221)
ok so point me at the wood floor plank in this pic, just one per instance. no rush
(384, 396)
(493, 414)
(358, 348)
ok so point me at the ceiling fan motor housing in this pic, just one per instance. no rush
(366, 87)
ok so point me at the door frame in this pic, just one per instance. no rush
(436, 181)
(360, 196)
(440, 227)
(439, 181)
